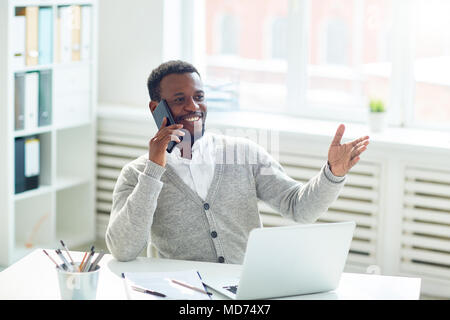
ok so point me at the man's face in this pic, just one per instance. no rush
(186, 99)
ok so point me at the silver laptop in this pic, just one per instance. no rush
(287, 261)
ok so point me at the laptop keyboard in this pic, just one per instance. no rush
(232, 289)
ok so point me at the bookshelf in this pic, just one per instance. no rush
(48, 94)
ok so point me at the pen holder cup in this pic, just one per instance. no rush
(78, 285)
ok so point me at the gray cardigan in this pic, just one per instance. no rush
(151, 202)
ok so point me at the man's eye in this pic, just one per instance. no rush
(179, 100)
(200, 98)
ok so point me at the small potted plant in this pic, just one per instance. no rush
(377, 115)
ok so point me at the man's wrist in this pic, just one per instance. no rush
(332, 176)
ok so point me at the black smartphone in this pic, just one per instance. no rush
(161, 111)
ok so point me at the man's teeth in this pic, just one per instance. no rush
(192, 119)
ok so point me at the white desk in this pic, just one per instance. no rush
(34, 277)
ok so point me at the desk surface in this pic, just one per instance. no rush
(34, 277)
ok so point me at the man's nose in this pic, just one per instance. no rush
(191, 105)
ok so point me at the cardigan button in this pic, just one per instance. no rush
(206, 206)
(221, 259)
(214, 234)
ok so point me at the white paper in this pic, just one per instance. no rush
(31, 157)
(161, 282)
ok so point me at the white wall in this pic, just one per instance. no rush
(130, 46)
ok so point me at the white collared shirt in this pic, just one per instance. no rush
(197, 172)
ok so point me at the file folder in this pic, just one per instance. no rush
(85, 32)
(27, 163)
(45, 35)
(18, 29)
(19, 101)
(31, 99)
(45, 98)
(65, 33)
(58, 37)
(76, 33)
(19, 163)
(32, 53)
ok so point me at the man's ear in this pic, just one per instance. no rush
(152, 105)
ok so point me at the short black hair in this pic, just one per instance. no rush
(164, 69)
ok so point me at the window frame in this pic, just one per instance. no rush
(401, 107)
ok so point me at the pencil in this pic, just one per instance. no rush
(52, 260)
(189, 286)
(81, 265)
(66, 263)
(96, 261)
(67, 250)
(87, 264)
(82, 261)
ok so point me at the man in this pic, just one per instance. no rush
(200, 201)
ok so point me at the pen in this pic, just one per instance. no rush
(186, 285)
(67, 250)
(148, 291)
(66, 263)
(57, 265)
(96, 261)
(88, 260)
(204, 286)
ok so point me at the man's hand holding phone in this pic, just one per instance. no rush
(158, 144)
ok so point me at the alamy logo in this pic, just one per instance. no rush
(73, 282)
(373, 269)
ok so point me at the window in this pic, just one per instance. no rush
(431, 66)
(347, 62)
(326, 58)
(336, 42)
(229, 35)
(252, 55)
(278, 44)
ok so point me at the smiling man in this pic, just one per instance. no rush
(200, 202)
(180, 85)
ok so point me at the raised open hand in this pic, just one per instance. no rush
(342, 157)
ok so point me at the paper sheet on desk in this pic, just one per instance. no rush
(161, 282)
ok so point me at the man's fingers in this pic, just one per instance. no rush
(166, 139)
(171, 137)
(178, 133)
(355, 142)
(167, 130)
(357, 151)
(171, 127)
(162, 134)
(338, 136)
(175, 126)
(360, 144)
